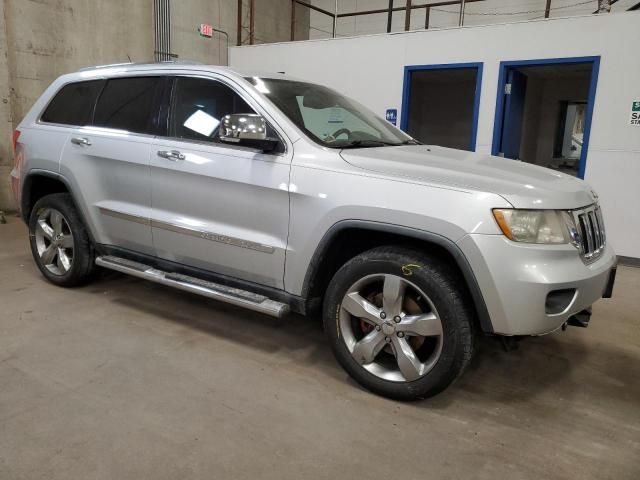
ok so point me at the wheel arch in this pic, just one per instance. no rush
(349, 238)
(39, 183)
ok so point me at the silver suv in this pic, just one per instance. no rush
(279, 195)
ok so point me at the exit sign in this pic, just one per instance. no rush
(206, 30)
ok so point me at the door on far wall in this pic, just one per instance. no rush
(514, 91)
(544, 112)
(441, 104)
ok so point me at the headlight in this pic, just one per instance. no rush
(533, 226)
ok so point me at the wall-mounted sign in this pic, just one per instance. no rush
(392, 115)
(635, 113)
(206, 30)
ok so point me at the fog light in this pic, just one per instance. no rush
(559, 300)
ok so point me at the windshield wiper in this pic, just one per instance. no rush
(368, 144)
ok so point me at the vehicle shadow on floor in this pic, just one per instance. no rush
(495, 376)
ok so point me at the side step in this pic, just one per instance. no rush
(234, 296)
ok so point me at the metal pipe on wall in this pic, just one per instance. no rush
(226, 36)
(407, 16)
(293, 20)
(162, 30)
(252, 12)
(461, 19)
(239, 23)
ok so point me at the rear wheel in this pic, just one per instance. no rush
(59, 241)
(399, 323)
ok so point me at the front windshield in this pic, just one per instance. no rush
(330, 119)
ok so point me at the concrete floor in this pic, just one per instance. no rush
(125, 379)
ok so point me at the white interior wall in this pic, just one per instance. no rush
(371, 69)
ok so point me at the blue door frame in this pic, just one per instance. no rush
(406, 92)
(500, 99)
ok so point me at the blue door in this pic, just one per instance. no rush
(514, 94)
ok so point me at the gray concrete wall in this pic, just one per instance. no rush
(42, 39)
(186, 17)
(272, 24)
(5, 114)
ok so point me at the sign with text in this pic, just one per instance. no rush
(392, 115)
(206, 30)
(635, 113)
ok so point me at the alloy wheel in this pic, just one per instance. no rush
(391, 327)
(54, 241)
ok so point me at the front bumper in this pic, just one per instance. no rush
(515, 280)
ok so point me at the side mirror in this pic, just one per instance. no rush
(248, 130)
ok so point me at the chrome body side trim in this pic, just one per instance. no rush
(125, 216)
(212, 236)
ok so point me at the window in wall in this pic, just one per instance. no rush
(126, 104)
(73, 104)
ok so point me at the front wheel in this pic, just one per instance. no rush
(399, 323)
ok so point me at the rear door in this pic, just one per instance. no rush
(108, 162)
(218, 207)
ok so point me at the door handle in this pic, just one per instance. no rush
(80, 141)
(171, 154)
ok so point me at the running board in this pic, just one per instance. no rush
(234, 296)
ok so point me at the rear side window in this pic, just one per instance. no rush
(126, 104)
(73, 104)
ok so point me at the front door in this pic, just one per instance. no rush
(218, 207)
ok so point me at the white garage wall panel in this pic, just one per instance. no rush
(371, 69)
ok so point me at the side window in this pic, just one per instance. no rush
(199, 105)
(126, 103)
(73, 104)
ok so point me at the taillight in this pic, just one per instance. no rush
(14, 141)
(17, 160)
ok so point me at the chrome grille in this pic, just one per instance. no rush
(589, 236)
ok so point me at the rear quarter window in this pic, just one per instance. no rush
(73, 104)
(126, 104)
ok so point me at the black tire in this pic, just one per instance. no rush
(83, 259)
(441, 282)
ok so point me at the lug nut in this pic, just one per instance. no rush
(401, 334)
(387, 339)
(397, 319)
(378, 327)
(383, 315)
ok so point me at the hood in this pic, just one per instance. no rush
(521, 184)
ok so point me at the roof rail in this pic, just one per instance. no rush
(128, 64)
